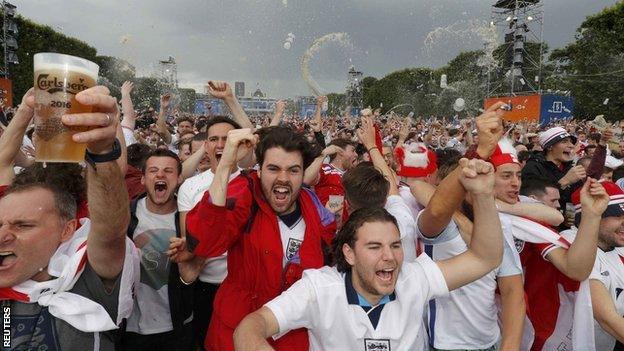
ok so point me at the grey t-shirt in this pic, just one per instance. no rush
(34, 328)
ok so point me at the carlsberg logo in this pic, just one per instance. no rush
(55, 85)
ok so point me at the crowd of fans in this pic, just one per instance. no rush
(370, 232)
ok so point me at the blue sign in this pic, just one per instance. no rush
(307, 110)
(217, 107)
(555, 107)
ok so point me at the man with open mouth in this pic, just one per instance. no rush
(67, 289)
(271, 227)
(556, 163)
(372, 299)
(163, 305)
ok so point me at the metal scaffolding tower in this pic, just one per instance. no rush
(9, 38)
(519, 73)
(354, 94)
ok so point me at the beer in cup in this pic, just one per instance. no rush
(58, 78)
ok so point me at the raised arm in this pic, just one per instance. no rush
(577, 261)
(129, 116)
(486, 247)
(190, 165)
(161, 122)
(222, 90)
(106, 189)
(450, 193)
(366, 134)
(280, 106)
(11, 139)
(311, 175)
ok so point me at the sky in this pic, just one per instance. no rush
(243, 40)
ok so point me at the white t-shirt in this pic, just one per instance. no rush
(189, 195)
(467, 317)
(292, 238)
(151, 314)
(609, 270)
(318, 301)
(410, 200)
(403, 215)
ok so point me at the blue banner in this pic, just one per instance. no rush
(307, 110)
(555, 107)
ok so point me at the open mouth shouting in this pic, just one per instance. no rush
(281, 195)
(385, 275)
(160, 188)
(7, 258)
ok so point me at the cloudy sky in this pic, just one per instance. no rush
(243, 40)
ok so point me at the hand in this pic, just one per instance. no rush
(575, 174)
(165, 100)
(332, 149)
(594, 197)
(126, 88)
(606, 136)
(280, 106)
(477, 176)
(489, 130)
(177, 250)
(404, 131)
(220, 90)
(101, 123)
(239, 143)
(320, 100)
(366, 133)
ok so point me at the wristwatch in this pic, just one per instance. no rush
(112, 155)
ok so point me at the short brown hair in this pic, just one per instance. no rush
(347, 234)
(365, 186)
(341, 143)
(287, 139)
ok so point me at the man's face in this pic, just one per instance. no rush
(507, 182)
(349, 157)
(375, 259)
(281, 177)
(589, 151)
(30, 232)
(215, 142)
(204, 164)
(563, 151)
(184, 152)
(608, 176)
(550, 198)
(611, 232)
(160, 179)
(582, 137)
(185, 127)
(389, 157)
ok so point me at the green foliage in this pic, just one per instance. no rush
(187, 100)
(34, 38)
(336, 103)
(592, 67)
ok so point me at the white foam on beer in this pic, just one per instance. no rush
(66, 67)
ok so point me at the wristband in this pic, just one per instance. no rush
(185, 283)
(112, 155)
(374, 147)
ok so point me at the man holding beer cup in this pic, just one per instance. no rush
(65, 288)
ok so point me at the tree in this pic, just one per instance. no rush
(592, 67)
(34, 38)
(187, 100)
(336, 103)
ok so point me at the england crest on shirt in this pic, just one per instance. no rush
(376, 345)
